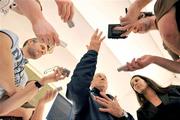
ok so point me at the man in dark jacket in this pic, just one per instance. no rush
(85, 89)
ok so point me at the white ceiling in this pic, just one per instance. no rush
(89, 15)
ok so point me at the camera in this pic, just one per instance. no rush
(115, 34)
(66, 72)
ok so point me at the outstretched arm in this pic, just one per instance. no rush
(134, 11)
(42, 29)
(145, 60)
(38, 113)
(20, 97)
(78, 88)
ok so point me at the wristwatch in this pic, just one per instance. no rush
(124, 114)
(37, 84)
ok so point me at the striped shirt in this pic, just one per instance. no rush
(19, 62)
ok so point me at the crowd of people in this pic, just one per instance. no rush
(87, 89)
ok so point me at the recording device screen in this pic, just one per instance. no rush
(115, 34)
(60, 110)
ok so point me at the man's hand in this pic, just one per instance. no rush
(56, 76)
(142, 25)
(96, 41)
(139, 63)
(65, 9)
(45, 32)
(110, 106)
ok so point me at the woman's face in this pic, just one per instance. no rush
(138, 84)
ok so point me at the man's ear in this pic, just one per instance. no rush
(30, 42)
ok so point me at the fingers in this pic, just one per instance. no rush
(105, 96)
(101, 101)
(65, 9)
(68, 12)
(123, 20)
(59, 74)
(104, 110)
(71, 13)
(60, 7)
(122, 28)
(102, 38)
(95, 33)
(56, 39)
(98, 35)
(50, 39)
(127, 28)
(133, 65)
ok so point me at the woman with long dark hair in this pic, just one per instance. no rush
(156, 102)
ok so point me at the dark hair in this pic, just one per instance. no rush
(32, 39)
(158, 89)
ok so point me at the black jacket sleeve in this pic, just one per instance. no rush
(78, 88)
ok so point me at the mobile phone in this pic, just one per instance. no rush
(115, 34)
(119, 69)
(63, 44)
(59, 88)
(66, 72)
(70, 24)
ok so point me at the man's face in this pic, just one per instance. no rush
(36, 49)
(100, 82)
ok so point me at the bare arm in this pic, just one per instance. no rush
(20, 97)
(38, 113)
(43, 30)
(25, 113)
(30, 9)
(135, 8)
(167, 64)
(6, 65)
(146, 60)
